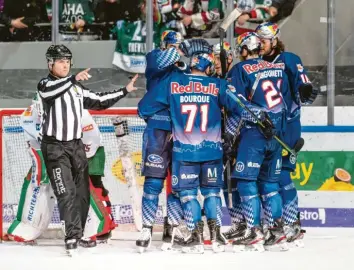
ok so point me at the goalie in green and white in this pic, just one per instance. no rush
(37, 200)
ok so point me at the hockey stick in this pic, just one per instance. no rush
(285, 146)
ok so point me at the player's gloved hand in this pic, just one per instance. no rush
(308, 94)
(195, 46)
(227, 146)
(267, 128)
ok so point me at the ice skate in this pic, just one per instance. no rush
(195, 242)
(275, 238)
(237, 230)
(252, 240)
(145, 238)
(218, 241)
(294, 234)
(171, 236)
(71, 247)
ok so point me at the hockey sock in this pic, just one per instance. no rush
(289, 195)
(174, 210)
(250, 201)
(271, 201)
(150, 202)
(212, 204)
(191, 207)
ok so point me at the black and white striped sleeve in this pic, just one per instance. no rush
(102, 100)
(52, 89)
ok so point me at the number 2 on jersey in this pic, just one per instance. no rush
(192, 110)
(271, 94)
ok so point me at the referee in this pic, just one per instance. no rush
(63, 99)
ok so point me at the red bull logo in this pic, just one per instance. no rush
(194, 87)
(262, 65)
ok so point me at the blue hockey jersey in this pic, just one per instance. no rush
(297, 76)
(159, 63)
(195, 104)
(270, 84)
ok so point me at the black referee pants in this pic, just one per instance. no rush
(67, 169)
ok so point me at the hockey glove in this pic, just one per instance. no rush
(228, 147)
(308, 94)
(195, 46)
(268, 128)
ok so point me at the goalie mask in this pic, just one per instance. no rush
(201, 62)
(268, 30)
(249, 41)
(170, 37)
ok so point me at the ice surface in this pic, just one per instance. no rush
(324, 249)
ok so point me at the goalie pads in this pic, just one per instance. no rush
(34, 211)
(100, 220)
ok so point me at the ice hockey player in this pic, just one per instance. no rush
(157, 145)
(302, 92)
(37, 199)
(195, 102)
(229, 60)
(258, 162)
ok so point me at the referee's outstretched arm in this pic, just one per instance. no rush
(51, 89)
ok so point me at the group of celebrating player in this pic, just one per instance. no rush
(199, 125)
(197, 122)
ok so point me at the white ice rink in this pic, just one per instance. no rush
(324, 249)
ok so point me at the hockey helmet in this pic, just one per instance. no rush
(249, 41)
(202, 61)
(227, 47)
(58, 52)
(268, 30)
(170, 37)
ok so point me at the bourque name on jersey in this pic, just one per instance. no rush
(262, 65)
(196, 88)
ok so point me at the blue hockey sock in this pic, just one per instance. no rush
(191, 207)
(251, 204)
(174, 210)
(290, 200)
(212, 204)
(150, 201)
(271, 201)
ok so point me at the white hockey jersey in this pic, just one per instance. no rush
(30, 121)
(91, 134)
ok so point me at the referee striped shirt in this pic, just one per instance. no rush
(63, 101)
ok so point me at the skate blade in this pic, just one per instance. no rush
(168, 247)
(282, 246)
(72, 252)
(248, 248)
(217, 248)
(193, 250)
(141, 249)
(298, 243)
(30, 243)
(106, 241)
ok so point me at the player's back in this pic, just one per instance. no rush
(196, 117)
(263, 83)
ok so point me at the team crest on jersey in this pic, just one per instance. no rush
(87, 128)
(77, 92)
(300, 67)
(28, 112)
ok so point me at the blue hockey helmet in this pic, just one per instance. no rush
(268, 30)
(170, 37)
(249, 41)
(202, 61)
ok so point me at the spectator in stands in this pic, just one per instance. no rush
(198, 16)
(27, 13)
